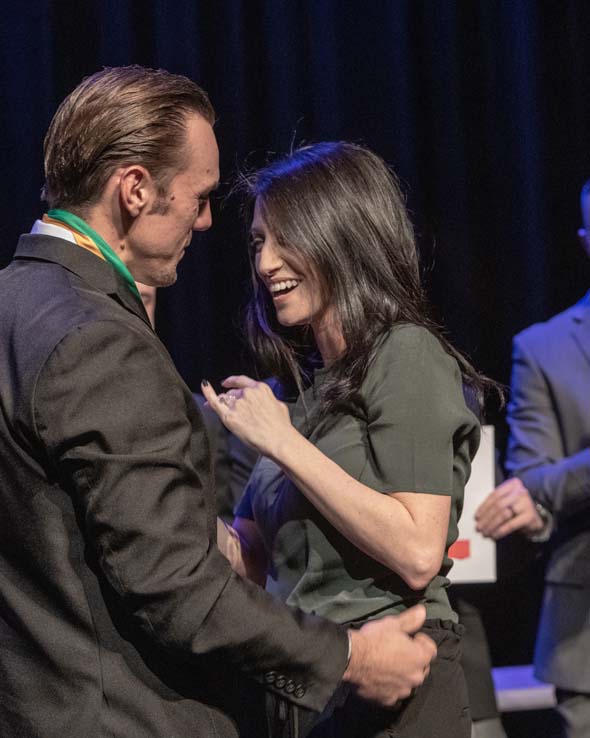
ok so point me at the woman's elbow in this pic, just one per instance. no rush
(421, 569)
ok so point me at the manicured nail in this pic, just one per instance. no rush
(205, 382)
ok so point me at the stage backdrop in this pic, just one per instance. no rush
(481, 107)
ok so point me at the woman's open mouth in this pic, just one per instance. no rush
(278, 289)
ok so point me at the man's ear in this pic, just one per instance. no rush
(136, 189)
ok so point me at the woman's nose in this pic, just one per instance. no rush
(268, 259)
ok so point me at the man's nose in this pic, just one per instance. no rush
(204, 219)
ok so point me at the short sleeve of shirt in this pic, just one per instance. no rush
(417, 418)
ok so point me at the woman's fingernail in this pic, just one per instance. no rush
(204, 382)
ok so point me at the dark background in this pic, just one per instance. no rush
(481, 107)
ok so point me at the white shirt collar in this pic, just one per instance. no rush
(49, 229)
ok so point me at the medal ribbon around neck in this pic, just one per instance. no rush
(93, 242)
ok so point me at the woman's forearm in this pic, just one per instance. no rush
(404, 531)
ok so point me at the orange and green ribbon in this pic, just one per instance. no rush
(89, 239)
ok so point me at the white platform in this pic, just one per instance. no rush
(517, 689)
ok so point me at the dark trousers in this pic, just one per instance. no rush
(438, 709)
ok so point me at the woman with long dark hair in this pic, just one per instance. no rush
(352, 507)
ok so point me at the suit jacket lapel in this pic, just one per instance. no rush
(580, 328)
(96, 272)
(127, 299)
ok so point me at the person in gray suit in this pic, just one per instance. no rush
(549, 497)
(119, 616)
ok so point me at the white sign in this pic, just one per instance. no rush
(473, 555)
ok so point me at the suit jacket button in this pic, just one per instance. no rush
(270, 677)
(299, 691)
(280, 681)
(290, 687)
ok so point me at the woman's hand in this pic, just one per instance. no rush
(251, 411)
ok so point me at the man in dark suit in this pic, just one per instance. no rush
(549, 498)
(119, 617)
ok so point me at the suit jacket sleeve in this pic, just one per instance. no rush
(113, 417)
(535, 449)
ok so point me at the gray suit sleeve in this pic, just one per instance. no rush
(535, 449)
(116, 422)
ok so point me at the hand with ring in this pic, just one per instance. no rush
(228, 399)
(250, 410)
(507, 509)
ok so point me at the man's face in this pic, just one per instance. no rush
(584, 233)
(162, 231)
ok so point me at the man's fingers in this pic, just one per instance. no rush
(526, 520)
(494, 518)
(428, 645)
(412, 619)
(498, 512)
(386, 662)
(508, 491)
(510, 512)
(504, 529)
(488, 505)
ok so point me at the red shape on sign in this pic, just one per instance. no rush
(460, 549)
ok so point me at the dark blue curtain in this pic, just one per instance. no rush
(481, 108)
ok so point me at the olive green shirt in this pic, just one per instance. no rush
(407, 430)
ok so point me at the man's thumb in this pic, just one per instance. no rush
(411, 620)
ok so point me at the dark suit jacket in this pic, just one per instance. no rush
(233, 461)
(118, 615)
(549, 418)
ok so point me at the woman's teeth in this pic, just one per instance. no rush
(288, 284)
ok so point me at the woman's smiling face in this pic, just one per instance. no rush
(296, 292)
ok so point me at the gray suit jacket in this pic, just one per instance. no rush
(118, 615)
(549, 449)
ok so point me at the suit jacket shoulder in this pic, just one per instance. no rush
(535, 338)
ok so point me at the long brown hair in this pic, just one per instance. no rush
(340, 210)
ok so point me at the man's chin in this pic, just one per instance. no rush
(165, 279)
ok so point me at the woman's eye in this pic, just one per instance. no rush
(256, 243)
